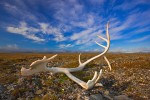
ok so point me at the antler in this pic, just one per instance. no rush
(37, 66)
(82, 65)
(40, 65)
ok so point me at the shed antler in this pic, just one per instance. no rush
(40, 66)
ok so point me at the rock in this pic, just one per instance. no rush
(20, 98)
(2, 89)
(10, 87)
(20, 80)
(106, 92)
(96, 97)
(121, 97)
(107, 97)
(82, 97)
(38, 92)
(49, 77)
(46, 97)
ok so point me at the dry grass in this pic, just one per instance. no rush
(130, 72)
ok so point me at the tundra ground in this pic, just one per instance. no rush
(130, 75)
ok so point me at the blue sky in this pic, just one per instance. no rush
(73, 25)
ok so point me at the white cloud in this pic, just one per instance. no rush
(19, 9)
(87, 36)
(97, 2)
(134, 20)
(30, 32)
(140, 39)
(65, 45)
(26, 31)
(82, 34)
(44, 27)
(126, 5)
(65, 11)
(56, 32)
(67, 16)
(86, 23)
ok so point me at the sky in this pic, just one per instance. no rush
(73, 25)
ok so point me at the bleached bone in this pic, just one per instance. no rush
(40, 66)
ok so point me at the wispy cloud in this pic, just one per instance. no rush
(65, 11)
(126, 5)
(25, 31)
(133, 24)
(56, 32)
(19, 9)
(140, 39)
(30, 32)
(88, 22)
(76, 23)
(65, 45)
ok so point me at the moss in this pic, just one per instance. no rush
(63, 78)
(86, 78)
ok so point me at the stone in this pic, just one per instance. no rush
(121, 97)
(2, 89)
(96, 97)
(106, 92)
(46, 97)
(38, 92)
(10, 87)
(20, 80)
(107, 97)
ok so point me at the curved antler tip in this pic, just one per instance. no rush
(100, 71)
(55, 55)
(44, 57)
(107, 62)
(110, 68)
(95, 76)
(80, 59)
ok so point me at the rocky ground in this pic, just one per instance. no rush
(129, 78)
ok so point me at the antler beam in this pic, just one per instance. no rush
(40, 66)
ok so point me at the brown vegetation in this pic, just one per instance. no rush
(129, 75)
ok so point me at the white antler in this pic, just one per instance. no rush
(40, 65)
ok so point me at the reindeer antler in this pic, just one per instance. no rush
(40, 65)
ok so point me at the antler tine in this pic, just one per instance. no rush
(95, 76)
(51, 57)
(102, 38)
(107, 62)
(100, 45)
(100, 73)
(107, 33)
(80, 59)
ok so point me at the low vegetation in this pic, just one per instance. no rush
(129, 76)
